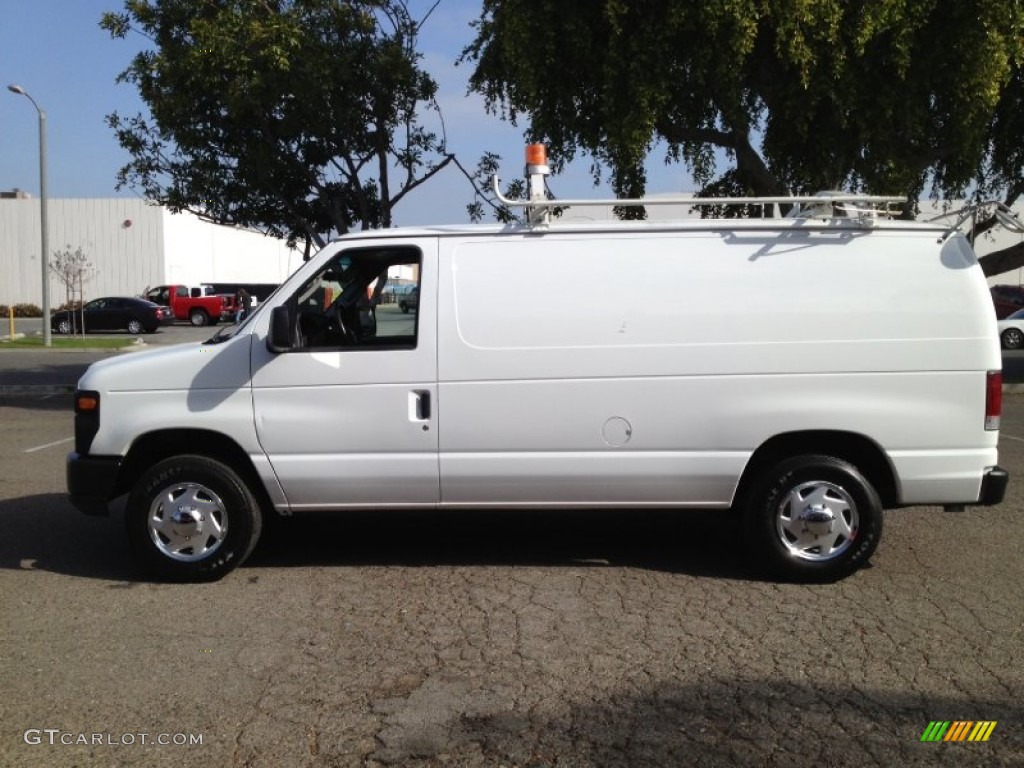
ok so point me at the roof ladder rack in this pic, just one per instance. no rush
(1002, 213)
(824, 204)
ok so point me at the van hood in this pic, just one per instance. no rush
(191, 366)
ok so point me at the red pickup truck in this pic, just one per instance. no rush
(190, 304)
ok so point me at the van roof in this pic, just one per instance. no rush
(682, 225)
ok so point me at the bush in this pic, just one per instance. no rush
(21, 310)
(69, 305)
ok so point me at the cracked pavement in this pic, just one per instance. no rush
(498, 639)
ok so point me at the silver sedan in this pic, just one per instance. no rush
(1011, 330)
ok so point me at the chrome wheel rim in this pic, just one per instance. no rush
(64, 327)
(1012, 338)
(817, 521)
(187, 522)
(134, 326)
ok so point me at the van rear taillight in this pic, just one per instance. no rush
(993, 399)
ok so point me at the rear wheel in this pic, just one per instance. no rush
(1012, 338)
(192, 518)
(198, 317)
(813, 518)
(64, 326)
(134, 327)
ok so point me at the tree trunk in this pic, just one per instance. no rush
(998, 262)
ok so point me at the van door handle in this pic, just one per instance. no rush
(419, 405)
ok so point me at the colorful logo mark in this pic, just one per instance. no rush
(958, 730)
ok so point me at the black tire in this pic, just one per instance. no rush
(134, 327)
(63, 326)
(404, 307)
(1012, 338)
(198, 318)
(813, 519)
(223, 507)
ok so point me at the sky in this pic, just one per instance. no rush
(57, 52)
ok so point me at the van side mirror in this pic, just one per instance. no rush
(280, 338)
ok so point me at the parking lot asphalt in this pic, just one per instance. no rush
(479, 639)
(56, 371)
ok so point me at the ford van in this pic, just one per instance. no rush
(863, 374)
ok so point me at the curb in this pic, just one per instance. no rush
(47, 390)
(35, 389)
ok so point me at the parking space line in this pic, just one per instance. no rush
(1011, 437)
(48, 445)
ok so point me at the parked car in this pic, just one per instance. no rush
(114, 313)
(192, 304)
(411, 300)
(1007, 299)
(393, 292)
(1011, 330)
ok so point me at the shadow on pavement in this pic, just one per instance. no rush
(704, 543)
(45, 532)
(718, 721)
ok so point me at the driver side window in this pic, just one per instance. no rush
(349, 303)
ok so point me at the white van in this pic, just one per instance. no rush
(807, 372)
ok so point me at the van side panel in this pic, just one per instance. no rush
(646, 368)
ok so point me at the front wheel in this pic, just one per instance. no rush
(1012, 338)
(198, 317)
(813, 518)
(192, 518)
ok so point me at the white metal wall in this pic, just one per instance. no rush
(197, 252)
(121, 237)
(20, 276)
(132, 245)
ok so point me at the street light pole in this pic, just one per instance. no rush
(45, 239)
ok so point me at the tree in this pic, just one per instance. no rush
(884, 96)
(290, 116)
(73, 269)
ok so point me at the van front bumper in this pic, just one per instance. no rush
(91, 481)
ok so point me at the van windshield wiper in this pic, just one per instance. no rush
(230, 331)
(220, 336)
